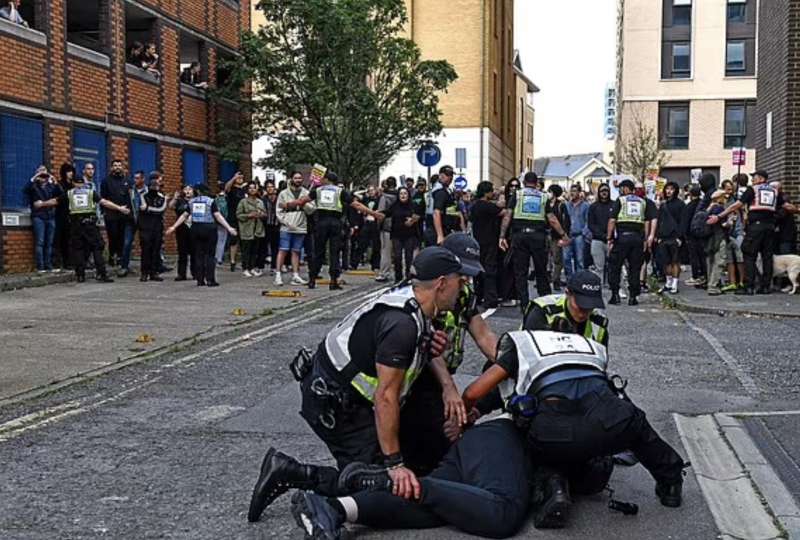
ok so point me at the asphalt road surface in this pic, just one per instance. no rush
(171, 448)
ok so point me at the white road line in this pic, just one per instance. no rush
(763, 413)
(488, 313)
(733, 501)
(743, 377)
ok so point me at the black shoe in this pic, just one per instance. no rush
(670, 494)
(81, 278)
(279, 473)
(615, 300)
(334, 286)
(123, 273)
(312, 283)
(212, 284)
(104, 279)
(744, 292)
(763, 290)
(165, 270)
(632, 301)
(156, 277)
(233, 267)
(357, 477)
(143, 277)
(554, 511)
(317, 517)
(180, 278)
(556, 287)
(201, 283)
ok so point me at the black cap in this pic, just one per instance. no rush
(435, 262)
(332, 177)
(587, 288)
(762, 173)
(448, 170)
(628, 183)
(530, 178)
(466, 248)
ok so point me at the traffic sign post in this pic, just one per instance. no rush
(429, 155)
(460, 183)
(739, 158)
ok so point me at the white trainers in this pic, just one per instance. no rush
(623, 294)
(247, 273)
(278, 279)
(297, 280)
(257, 273)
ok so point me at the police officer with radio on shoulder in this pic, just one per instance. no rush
(557, 388)
(356, 383)
(631, 232)
(531, 212)
(442, 215)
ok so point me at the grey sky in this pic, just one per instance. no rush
(568, 50)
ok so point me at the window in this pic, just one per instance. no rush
(681, 58)
(739, 129)
(737, 11)
(681, 13)
(21, 152)
(769, 130)
(143, 156)
(139, 33)
(735, 58)
(530, 132)
(194, 167)
(224, 63)
(89, 146)
(190, 55)
(83, 24)
(496, 93)
(674, 125)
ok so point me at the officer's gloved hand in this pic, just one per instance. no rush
(438, 343)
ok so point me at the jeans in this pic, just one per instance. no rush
(44, 230)
(599, 255)
(127, 245)
(573, 255)
(222, 238)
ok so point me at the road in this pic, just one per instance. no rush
(170, 448)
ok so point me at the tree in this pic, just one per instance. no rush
(334, 82)
(639, 151)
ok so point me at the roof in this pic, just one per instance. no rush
(600, 172)
(568, 166)
(521, 74)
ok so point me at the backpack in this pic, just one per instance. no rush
(698, 227)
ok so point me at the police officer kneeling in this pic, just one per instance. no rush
(556, 387)
(353, 387)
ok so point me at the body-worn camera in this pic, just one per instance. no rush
(301, 365)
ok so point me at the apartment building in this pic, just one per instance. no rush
(69, 94)
(688, 69)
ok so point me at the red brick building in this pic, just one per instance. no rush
(67, 94)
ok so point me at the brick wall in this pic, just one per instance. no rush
(23, 75)
(227, 25)
(194, 118)
(143, 103)
(172, 168)
(193, 13)
(57, 51)
(90, 89)
(59, 145)
(171, 90)
(118, 148)
(18, 250)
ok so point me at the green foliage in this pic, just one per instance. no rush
(334, 82)
(639, 150)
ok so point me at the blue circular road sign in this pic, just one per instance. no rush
(429, 155)
(460, 183)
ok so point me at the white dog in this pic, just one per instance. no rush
(787, 265)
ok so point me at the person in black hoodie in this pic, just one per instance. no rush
(119, 227)
(599, 214)
(668, 236)
(151, 228)
(696, 246)
(404, 233)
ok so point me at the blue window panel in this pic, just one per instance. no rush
(89, 146)
(227, 169)
(194, 167)
(143, 157)
(21, 152)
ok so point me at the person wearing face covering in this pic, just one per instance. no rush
(599, 214)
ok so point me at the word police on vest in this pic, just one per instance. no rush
(435, 262)
(587, 288)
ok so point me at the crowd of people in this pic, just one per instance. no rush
(525, 232)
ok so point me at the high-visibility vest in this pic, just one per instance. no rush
(451, 210)
(766, 198)
(329, 199)
(531, 205)
(456, 324)
(555, 307)
(337, 342)
(540, 352)
(632, 209)
(81, 200)
(200, 209)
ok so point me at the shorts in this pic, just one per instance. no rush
(291, 241)
(234, 240)
(733, 253)
(670, 251)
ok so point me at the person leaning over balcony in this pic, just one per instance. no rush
(11, 13)
(149, 59)
(191, 75)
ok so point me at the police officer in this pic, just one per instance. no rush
(434, 411)
(555, 385)
(763, 202)
(531, 211)
(331, 200)
(151, 228)
(204, 212)
(82, 201)
(442, 215)
(631, 232)
(354, 386)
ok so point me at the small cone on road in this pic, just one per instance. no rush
(281, 294)
(369, 273)
(239, 312)
(144, 338)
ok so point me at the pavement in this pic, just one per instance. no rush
(170, 446)
(777, 304)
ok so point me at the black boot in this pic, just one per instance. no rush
(103, 278)
(747, 291)
(632, 301)
(81, 278)
(312, 282)
(279, 473)
(317, 517)
(552, 500)
(614, 298)
(670, 494)
(156, 277)
(357, 477)
(334, 286)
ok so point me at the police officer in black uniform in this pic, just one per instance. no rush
(331, 201)
(442, 215)
(151, 228)
(631, 231)
(355, 384)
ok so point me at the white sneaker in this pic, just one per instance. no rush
(257, 273)
(623, 294)
(297, 280)
(247, 273)
(691, 282)
(278, 279)
(674, 289)
(56, 270)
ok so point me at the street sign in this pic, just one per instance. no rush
(460, 183)
(429, 155)
(739, 157)
(696, 174)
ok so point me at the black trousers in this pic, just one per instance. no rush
(482, 487)
(527, 246)
(272, 237)
(486, 283)
(115, 231)
(506, 286)
(328, 233)
(250, 250)
(423, 416)
(369, 238)
(403, 247)
(150, 240)
(204, 240)
(61, 243)
(629, 246)
(759, 239)
(185, 251)
(697, 257)
(569, 433)
(85, 239)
